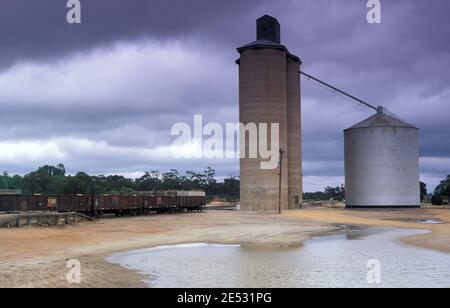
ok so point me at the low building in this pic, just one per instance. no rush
(10, 192)
(427, 198)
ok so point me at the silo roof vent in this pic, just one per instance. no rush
(268, 37)
(268, 28)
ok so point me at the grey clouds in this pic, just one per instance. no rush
(102, 96)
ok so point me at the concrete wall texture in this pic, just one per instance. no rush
(269, 92)
(295, 190)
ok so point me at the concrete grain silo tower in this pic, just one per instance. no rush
(382, 163)
(269, 92)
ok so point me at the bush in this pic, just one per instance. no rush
(436, 200)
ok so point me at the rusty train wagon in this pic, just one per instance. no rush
(105, 204)
(159, 203)
(191, 201)
(72, 203)
(97, 205)
(23, 203)
(116, 204)
(131, 204)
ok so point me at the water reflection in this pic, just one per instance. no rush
(427, 221)
(333, 261)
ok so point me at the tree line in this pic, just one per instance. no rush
(54, 180)
(335, 193)
(441, 194)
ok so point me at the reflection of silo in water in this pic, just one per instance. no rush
(382, 163)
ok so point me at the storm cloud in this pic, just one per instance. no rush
(102, 96)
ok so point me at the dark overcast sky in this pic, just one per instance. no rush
(102, 96)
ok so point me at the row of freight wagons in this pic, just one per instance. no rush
(105, 204)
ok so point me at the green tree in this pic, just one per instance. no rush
(231, 188)
(10, 182)
(171, 180)
(57, 185)
(423, 190)
(337, 193)
(442, 191)
(41, 180)
(150, 181)
(119, 184)
(53, 180)
(81, 183)
(194, 180)
(4, 181)
(210, 181)
(436, 200)
(16, 182)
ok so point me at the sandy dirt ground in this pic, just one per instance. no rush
(37, 257)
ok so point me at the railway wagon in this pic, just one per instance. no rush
(159, 203)
(191, 204)
(191, 201)
(97, 205)
(72, 203)
(116, 204)
(104, 204)
(22, 203)
(131, 204)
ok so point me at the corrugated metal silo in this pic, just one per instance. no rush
(382, 163)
